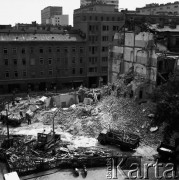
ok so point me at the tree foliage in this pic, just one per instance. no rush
(166, 97)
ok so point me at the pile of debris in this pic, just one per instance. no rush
(24, 156)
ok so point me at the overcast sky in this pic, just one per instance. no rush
(26, 11)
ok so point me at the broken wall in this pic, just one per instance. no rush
(65, 100)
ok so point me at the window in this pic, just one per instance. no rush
(73, 60)
(105, 28)
(65, 49)
(168, 7)
(115, 28)
(90, 18)
(7, 74)
(49, 61)
(41, 60)
(73, 49)
(107, 19)
(104, 38)
(96, 18)
(58, 49)
(93, 60)
(93, 69)
(161, 8)
(104, 59)
(101, 18)
(15, 74)
(81, 60)
(73, 71)
(113, 19)
(81, 70)
(49, 49)
(90, 28)
(24, 61)
(14, 50)
(5, 51)
(6, 62)
(50, 72)
(24, 73)
(23, 50)
(41, 50)
(31, 50)
(15, 62)
(104, 69)
(93, 49)
(81, 49)
(104, 49)
(112, 38)
(175, 6)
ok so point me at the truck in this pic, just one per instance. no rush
(120, 138)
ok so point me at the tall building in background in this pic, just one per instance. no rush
(160, 9)
(57, 20)
(99, 22)
(110, 2)
(49, 12)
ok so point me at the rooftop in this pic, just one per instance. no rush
(152, 5)
(39, 37)
(164, 28)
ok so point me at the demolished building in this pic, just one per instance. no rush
(145, 58)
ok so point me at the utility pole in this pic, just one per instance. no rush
(7, 123)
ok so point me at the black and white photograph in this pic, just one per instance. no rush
(89, 89)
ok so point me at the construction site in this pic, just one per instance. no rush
(133, 117)
(43, 132)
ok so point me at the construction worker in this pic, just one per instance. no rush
(21, 114)
(28, 119)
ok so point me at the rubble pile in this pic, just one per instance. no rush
(23, 157)
(128, 115)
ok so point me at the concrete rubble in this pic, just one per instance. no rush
(78, 125)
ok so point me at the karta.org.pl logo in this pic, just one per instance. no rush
(132, 167)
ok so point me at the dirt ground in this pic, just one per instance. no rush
(81, 124)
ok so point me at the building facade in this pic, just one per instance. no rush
(49, 12)
(58, 20)
(38, 61)
(110, 2)
(159, 9)
(99, 23)
(148, 56)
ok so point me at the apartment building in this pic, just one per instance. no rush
(37, 61)
(58, 20)
(49, 12)
(159, 9)
(99, 22)
(110, 2)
